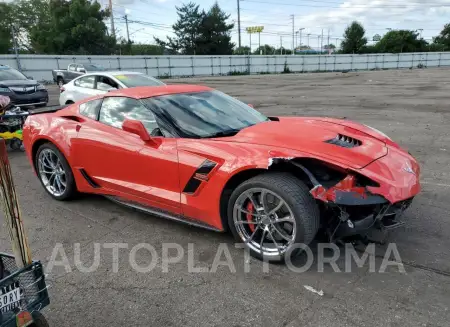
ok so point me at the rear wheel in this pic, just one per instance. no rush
(60, 81)
(54, 172)
(271, 214)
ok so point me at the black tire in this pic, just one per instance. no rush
(296, 195)
(69, 102)
(39, 320)
(60, 81)
(71, 189)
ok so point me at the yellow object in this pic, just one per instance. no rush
(9, 135)
(254, 29)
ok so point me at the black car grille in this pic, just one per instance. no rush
(23, 90)
(345, 141)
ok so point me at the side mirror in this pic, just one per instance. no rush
(81, 70)
(30, 77)
(250, 105)
(136, 127)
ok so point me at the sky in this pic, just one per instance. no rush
(314, 17)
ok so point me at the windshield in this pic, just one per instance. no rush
(91, 67)
(133, 80)
(10, 74)
(205, 114)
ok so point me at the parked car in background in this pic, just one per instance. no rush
(63, 76)
(102, 82)
(23, 91)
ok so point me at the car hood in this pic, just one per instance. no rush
(311, 135)
(20, 82)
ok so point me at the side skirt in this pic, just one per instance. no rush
(161, 213)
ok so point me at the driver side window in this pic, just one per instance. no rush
(115, 110)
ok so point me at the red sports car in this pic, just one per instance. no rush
(194, 154)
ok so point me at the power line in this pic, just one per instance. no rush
(340, 7)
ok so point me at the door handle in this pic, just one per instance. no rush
(78, 127)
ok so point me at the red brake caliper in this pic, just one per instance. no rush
(250, 217)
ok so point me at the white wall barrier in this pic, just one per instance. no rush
(40, 66)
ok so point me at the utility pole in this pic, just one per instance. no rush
(293, 35)
(318, 41)
(321, 43)
(126, 23)
(300, 45)
(113, 31)
(308, 39)
(328, 42)
(250, 42)
(239, 22)
(296, 39)
(259, 42)
(281, 45)
(16, 50)
(421, 30)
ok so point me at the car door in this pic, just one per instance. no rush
(71, 72)
(104, 84)
(120, 161)
(84, 87)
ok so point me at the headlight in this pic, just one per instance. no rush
(5, 90)
(40, 87)
(376, 130)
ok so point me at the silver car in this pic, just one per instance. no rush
(101, 82)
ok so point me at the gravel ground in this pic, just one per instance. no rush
(411, 106)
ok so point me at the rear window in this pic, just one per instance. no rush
(134, 80)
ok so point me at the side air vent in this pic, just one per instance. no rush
(201, 174)
(345, 141)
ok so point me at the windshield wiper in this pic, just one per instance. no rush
(230, 132)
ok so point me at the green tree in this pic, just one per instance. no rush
(265, 50)
(354, 39)
(72, 27)
(283, 51)
(187, 30)
(330, 46)
(369, 49)
(215, 33)
(442, 41)
(5, 28)
(242, 50)
(398, 41)
(146, 49)
(29, 15)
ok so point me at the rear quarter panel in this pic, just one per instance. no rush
(49, 127)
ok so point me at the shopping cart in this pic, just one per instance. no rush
(23, 294)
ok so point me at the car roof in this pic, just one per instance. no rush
(153, 91)
(111, 73)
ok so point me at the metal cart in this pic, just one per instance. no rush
(23, 294)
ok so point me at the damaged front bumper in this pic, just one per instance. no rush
(383, 218)
(353, 208)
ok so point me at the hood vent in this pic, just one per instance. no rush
(345, 141)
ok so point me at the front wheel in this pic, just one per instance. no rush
(272, 214)
(54, 172)
(39, 320)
